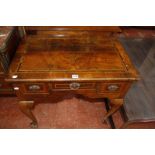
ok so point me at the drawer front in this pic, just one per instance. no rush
(91, 89)
(110, 87)
(114, 88)
(32, 88)
(73, 85)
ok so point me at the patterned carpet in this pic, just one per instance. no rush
(71, 113)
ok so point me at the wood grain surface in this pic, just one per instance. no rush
(89, 61)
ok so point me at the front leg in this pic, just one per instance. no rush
(115, 104)
(26, 107)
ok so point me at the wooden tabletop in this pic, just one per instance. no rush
(58, 58)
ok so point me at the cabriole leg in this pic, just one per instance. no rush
(26, 107)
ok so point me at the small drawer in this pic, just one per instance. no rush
(35, 88)
(73, 85)
(111, 87)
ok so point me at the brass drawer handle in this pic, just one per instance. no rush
(113, 87)
(34, 87)
(74, 86)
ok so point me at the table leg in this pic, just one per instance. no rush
(26, 107)
(115, 105)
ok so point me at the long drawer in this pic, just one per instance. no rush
(73, 85)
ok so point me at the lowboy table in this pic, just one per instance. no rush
(52, 62)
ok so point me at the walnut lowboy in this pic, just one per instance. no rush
(80, 62)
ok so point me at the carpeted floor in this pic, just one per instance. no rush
(71, 113)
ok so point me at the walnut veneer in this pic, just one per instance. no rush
(52, 62)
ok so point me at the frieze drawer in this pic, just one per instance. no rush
(32, 88)
(73, 85)
(112, 87)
